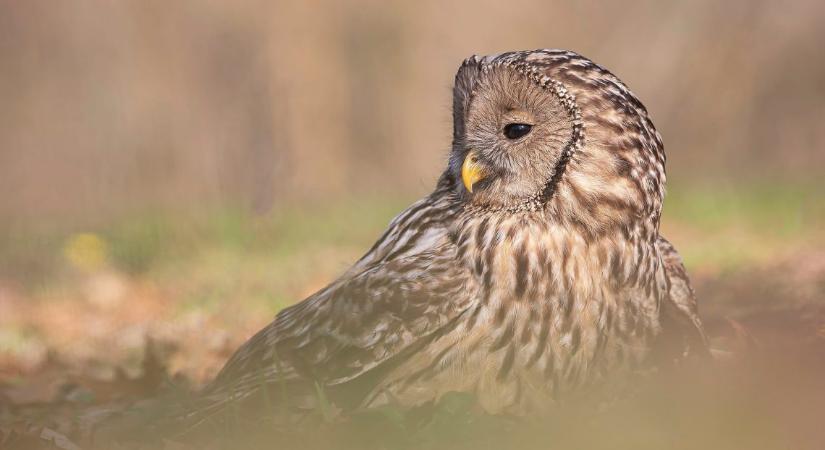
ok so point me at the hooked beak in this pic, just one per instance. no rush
(471, 171)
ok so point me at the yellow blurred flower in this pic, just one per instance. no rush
(86, 251)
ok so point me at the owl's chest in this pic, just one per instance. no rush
(563, 297)
(553, 312)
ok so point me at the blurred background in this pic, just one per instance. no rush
(180, 171)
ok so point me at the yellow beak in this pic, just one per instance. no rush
(471, 171)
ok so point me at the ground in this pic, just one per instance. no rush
(94, 319)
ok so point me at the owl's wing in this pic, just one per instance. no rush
(406, 290)
(680, 318)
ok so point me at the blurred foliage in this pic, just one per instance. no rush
(86, 251)
(111, 110)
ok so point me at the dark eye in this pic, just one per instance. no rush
(516, 130)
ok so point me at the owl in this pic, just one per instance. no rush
(533, 270)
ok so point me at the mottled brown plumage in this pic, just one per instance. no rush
(549, 276)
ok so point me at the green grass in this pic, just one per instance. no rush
(784, 211)
(727, 227)
(269, 257)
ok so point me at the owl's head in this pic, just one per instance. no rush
(551, 130)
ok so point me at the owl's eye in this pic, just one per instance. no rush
(516, 130)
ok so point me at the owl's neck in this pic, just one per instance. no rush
(592, 210)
